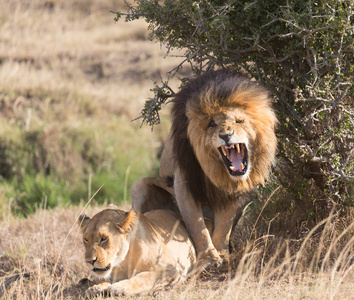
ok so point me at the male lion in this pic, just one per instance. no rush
(222, 144)
(131, 252)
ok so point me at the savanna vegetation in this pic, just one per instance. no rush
(71, 81)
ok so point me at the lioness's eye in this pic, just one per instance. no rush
(212, 124)
(103, 240)
(238, 121)
(85, 240)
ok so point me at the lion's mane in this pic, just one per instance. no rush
(208, 94)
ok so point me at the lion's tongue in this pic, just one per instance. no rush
(236, 160)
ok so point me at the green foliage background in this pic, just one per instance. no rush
(65, 166)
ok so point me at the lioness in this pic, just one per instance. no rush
(222, 145)
(131, 253)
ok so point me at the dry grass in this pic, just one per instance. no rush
(77, 48)
(47, 247)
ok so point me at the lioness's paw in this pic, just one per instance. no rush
(117, 289)
(96, 290)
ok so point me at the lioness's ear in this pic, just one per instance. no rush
(128, 222)
(83, 221)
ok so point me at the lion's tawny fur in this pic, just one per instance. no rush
(222, 145)
(199, 101)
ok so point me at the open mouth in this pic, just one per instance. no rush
(235, 158)
(103, 269)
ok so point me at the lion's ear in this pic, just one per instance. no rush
(83, 221)
(128, 222)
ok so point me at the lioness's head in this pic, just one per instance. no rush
(228, 122)
(106, 239)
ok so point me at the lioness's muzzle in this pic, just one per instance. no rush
(103, 269)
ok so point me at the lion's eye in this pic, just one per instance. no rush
(85, 240)
(212, 124)
(238, 121)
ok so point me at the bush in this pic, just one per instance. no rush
(303, 52)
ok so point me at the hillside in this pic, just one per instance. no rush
(71, 82)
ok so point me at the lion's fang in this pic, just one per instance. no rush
(238, 148)
(232, 168)
(242, 166)
(223, 151)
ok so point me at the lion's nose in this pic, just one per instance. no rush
(91, 261)
(226, 136)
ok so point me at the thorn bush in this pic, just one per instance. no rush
(302, 51)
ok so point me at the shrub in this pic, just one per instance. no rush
(303, 52)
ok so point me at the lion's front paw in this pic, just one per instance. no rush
(225, 255)
(97, 289)
(209, 258)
